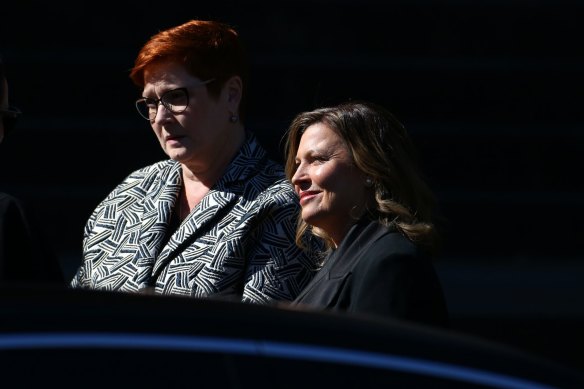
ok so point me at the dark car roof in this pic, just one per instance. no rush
(92, 338)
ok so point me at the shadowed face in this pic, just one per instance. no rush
(196, 135)
(330, 186)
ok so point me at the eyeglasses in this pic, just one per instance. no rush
(175, 101)
(9, 117)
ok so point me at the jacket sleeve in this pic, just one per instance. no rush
(276, 268)
(82, 276)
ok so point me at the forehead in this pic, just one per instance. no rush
(162, 76)
(321, 136)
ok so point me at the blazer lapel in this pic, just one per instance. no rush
(158, 205)
(351, 249)
(321, 276)
(202, 220)
(328, 281)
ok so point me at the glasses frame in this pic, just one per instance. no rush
(9, 118)
(168, 106)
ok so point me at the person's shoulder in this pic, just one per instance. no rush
(149, 171)
(277, 187)
(390, 253)
(274, 173)
(393, 241)
(6, 197)
(264, 177)
(155, 167)
(274, 167)
(8, 201)
(271, 191)
(144, 176)
(253, 150)
(267, 173)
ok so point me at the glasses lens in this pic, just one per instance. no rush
(147, 108)
(176, 101)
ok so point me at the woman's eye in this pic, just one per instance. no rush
(172, 96)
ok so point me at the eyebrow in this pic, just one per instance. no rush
(161, 92)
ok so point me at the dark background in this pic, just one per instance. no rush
(491, 92)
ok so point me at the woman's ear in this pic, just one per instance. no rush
(234, 88)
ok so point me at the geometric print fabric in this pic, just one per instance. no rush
(238, 243)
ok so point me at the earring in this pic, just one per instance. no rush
(368, 182)
(233, 118)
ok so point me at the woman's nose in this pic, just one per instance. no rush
(162, 113)
(297, 175)
(301, 178)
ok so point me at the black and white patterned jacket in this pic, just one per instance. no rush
(238, 242)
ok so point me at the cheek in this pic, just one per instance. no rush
(323, 176)
(342, 188)
(330, 179)
(332, 187)
(158, 134)
(157, 130)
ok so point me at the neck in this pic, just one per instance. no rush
(211, 168)
(198, 179)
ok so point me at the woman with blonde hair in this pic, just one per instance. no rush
(362, 192)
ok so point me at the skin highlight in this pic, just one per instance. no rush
(331, 188)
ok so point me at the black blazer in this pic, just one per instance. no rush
(377, 270)
(25, 256)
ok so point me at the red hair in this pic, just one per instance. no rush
(207, 49)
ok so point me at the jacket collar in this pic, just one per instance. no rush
(340, 262)
(159, 203)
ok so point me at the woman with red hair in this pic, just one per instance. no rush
(214, 220)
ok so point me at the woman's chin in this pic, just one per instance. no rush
(311, 218)
(177, 154)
